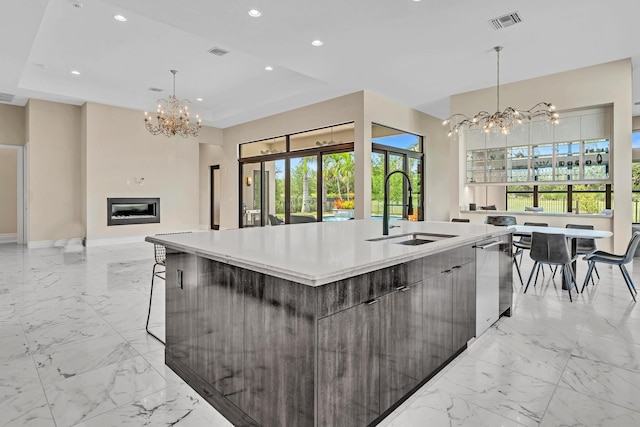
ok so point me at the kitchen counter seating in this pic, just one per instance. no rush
(328, 348)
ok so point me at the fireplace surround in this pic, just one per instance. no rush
(133, 210)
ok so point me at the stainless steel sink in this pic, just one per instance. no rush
(413, 239)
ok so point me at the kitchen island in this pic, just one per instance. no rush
(317, 324)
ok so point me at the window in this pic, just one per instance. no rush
(635, 189)
(303, 177)
(393, 150)
(635, 139)
(559, 198)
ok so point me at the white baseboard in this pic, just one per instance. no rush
(39, 244)
(114, 241)
(8, 238)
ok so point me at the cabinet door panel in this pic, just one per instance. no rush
(279, 351)
(595, 126)
(401, 344)
(181, 304)
(567, 129)
(437, 323)
(221, 327)
(464, 304)
(348, 367)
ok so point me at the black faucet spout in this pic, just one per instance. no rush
(385, 208)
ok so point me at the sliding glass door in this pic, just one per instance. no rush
(306, 177)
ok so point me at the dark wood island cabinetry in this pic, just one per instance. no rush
(273, 352)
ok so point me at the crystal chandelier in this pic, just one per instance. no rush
(172, 117)
(501, 121)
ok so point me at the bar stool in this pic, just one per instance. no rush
(160, 253)
(551, 249)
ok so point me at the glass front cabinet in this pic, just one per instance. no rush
(576, 149)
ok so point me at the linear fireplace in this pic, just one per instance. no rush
(131, 210)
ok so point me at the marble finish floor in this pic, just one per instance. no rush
(75, 353)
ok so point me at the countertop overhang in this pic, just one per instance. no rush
(315, 254)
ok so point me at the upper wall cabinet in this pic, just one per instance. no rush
(595, 126)
(577, 149)
(568, 129)
(541, 132)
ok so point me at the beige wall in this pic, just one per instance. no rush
(209, 154)
(8, 191)
(338, 110)
(119, 152)
(12, 125)
(54, 193)
(362, 108)
(436, 148)
(603, 84)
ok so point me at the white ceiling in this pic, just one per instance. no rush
(417, 53)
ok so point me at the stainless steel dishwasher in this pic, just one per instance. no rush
(487, 284)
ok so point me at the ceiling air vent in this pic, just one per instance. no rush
(218, 51)
(6, 97)
(155, 89)
(506, 20)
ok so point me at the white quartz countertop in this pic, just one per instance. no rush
(315, 254)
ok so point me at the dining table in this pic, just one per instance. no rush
(570, 233)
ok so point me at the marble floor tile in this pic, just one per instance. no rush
(77, 357)
(174, 406)
(603, 381)
(439, 408)
(522, 353)
(80, 313)
(511, 394)
(14, 343)
(142, 341)
(92, 393)
(615, 351)
(46, 337)
(28, 409)
(569, 408)
(18, 374)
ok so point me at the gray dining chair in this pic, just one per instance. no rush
(500, 220)
(612, 259)
(585, 246)
(524, 243)
(551, 249)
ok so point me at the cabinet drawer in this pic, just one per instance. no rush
(437, 263)
(343, 294)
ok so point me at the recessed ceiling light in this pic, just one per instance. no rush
(75, 72)
(199, 99)
(317, 43)
(268, 68)
(119, 18)
(254, 13)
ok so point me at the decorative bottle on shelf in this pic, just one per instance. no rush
(599, 158)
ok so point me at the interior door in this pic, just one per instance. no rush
(214, 185)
